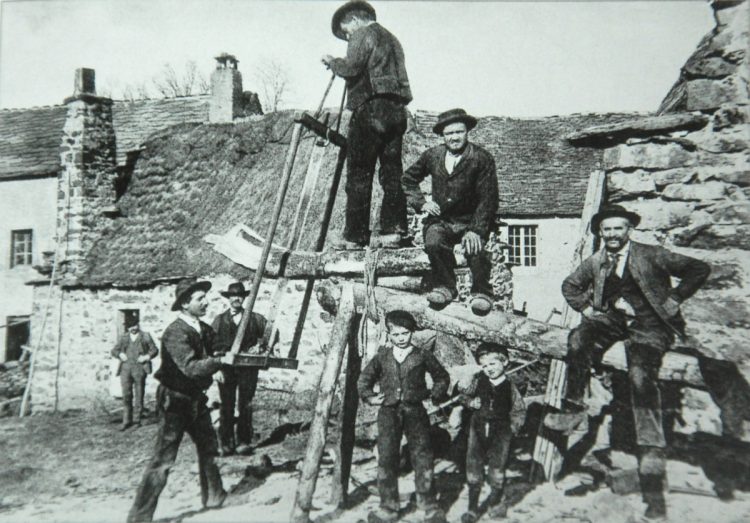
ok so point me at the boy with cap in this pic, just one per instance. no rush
(378, 91)
(498, 412)
(400, 368)
(135, 349)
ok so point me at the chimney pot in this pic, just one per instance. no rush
(85, 82)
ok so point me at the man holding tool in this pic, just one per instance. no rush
(378, 90)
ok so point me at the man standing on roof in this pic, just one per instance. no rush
(378, 91)
(236, 384)
(462, 209)
(185, 374)
(624, 292)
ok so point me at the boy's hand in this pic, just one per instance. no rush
(122, 357)
(375, 400)
(431, 208)
(475, 404)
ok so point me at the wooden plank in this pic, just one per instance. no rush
(326, 390)
(265, 362)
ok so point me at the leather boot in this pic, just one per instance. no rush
(472, 515)
(496, 507)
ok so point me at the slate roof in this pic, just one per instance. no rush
(193, 180)
(539, 172)
(30, 141)
(30, 138)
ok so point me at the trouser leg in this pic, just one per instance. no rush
(474, 456)
(139, 382)
(126, 381)
(643, 371)
(171, 429)
(481, 267)
(390, 426)
(392, 116)
(497, 458)
(361, 155)
(417, 429)
(438, 243)
(227, 395)
(202, 433)
(247, 384)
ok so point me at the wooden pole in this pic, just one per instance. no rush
(326, 390)
(347, 419)
(278, 205)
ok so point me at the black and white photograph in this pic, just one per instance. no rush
(353, 261)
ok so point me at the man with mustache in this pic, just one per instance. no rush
(462, 209)
(624, 292)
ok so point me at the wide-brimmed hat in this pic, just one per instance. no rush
(613, 211)
(453, 116)
(353, 5)
(131, 320)
(187, 287)
(235, 289)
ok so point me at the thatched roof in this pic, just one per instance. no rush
(193, 180)
(30, 138)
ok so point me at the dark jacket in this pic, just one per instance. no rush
(186, 362)
(374, 65)
(468, 195)
(147, 347)
(404, 382)
(503, 403)
(225, 331)
(651, 267)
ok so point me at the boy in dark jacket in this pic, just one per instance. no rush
(400, 369)
(497, 414)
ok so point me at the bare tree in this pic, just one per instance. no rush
(273, 84)
(170, 84)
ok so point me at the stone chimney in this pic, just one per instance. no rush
(226, 90)
(86, 181)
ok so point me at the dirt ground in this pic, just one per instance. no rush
(78, 467)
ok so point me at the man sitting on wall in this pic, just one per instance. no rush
(624, 292)
(135, 349)
(185, 375)
(236, 384)
(462, 209)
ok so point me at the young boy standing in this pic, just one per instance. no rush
(497, 414)
(400, 368)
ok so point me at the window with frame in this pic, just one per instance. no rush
(522, 242)
(20, 247)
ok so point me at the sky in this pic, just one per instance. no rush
(519, 59)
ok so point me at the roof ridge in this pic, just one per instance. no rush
(20, 109)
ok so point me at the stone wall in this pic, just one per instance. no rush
(76, 371)
(687, 173)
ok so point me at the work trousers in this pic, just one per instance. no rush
(645, 345)
(238, 389)
(439, 239)
(179, 414)
(393, 421)
(376, 131)
(489, 444)
(133, 382)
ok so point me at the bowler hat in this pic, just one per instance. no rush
(490, 348)
(453, 116)
(185, 288)
(612, 211)
(131, 320)
(353, 5)
(235, 289)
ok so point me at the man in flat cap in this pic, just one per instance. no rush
(236, 384)
(185, 374)
(135, 349)
(624, 292)
(378, 92)
(462, 208)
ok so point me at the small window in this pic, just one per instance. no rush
(522, 241)
(20, 248)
